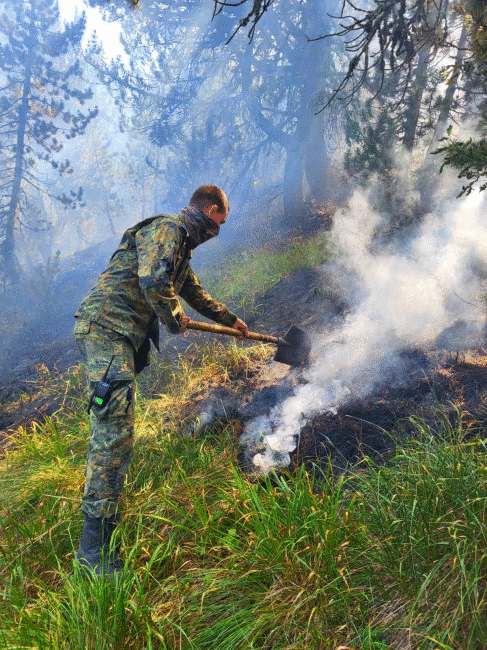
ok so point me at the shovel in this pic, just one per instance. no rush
(293, 349)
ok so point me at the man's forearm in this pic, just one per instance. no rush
(200, 300)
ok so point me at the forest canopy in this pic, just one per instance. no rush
(287, 104)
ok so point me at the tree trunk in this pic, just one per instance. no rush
(316, 160)
(428, 176)
(11, 266)
(447, 102)
(293, 191)
(415, 98)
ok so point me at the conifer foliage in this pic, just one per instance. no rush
(39, 109)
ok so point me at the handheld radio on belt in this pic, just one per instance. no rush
(102, 391)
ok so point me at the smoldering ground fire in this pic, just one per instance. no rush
(422, 296)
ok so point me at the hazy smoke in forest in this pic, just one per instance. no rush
(403, 300)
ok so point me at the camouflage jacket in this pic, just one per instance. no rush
(143, 280)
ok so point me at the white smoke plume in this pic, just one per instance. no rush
(406, 300)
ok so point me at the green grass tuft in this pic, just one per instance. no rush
(243, 277)
(390, 557)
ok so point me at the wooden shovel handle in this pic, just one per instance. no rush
(229, 331)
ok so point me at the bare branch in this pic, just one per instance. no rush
(259, 8)
(400, 28)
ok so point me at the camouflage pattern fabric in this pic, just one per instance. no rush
(140, 286)
(112, 426)
(143, 280)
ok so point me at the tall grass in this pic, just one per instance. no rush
(390, 557)
(387, 557)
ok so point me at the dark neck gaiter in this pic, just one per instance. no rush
(199, 227)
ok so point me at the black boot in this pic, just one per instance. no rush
(94, 549)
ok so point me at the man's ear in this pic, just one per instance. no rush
(213, 208)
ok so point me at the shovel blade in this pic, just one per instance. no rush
(294, 348)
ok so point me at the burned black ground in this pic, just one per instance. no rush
(374, 425)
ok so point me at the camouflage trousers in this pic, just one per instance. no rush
(112, 425)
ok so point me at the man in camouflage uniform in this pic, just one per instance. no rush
(114, 326)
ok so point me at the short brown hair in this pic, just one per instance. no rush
(207, 195)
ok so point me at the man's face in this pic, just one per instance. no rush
(219, 217)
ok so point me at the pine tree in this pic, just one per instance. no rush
(37, 113)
